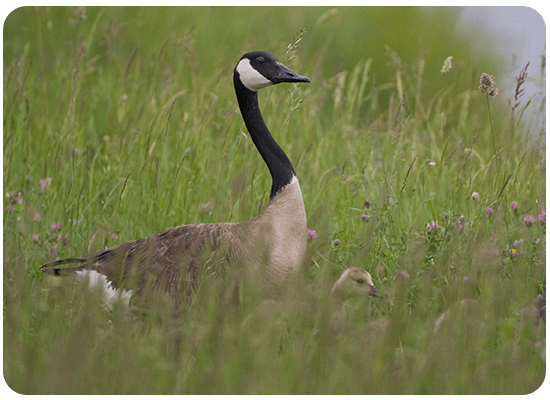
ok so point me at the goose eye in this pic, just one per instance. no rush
(360, 281)
(260, 59)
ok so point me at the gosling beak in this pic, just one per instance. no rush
(374, 291)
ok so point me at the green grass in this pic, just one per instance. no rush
(132, 115)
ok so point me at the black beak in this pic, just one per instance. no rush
(374, 291)
(286, 75)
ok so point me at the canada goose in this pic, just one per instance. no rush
(173, 261)
(535, 311)
(463, 311)
(534, 315)
(469, 308)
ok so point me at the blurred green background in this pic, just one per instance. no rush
(336, 39)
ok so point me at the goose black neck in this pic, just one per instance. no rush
(278, 163)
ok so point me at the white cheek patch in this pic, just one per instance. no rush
(109, 295)
(251, 78)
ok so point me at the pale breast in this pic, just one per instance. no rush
(278, 235)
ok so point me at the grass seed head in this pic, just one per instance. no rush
(487, 85)
(447, 65)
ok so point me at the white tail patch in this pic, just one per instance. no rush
(109, 295)
(251, 78)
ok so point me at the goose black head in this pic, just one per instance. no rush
(259, 69)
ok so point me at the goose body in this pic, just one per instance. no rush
(175, 262)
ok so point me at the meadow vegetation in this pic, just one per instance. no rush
(117, 126)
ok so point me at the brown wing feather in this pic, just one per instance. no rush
(172, 261)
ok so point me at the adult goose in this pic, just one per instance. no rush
(175, 262)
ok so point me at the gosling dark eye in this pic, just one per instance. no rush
(360, 281)
(260, 60)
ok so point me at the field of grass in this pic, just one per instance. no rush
(119, 123)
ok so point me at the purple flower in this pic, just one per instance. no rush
(433, 227)
(61, 239)
(44, 183)
(514, 207)
(36, 216)
(35, 239)
(489, 211)
(401, 275)
(55, 227)
(475, 196)
(518, 243)
(365, 217)
(15, 197)
(367, 203)
(336, 242)
(537, 241)
(311, 234)
(542, 217)
(529, 221)
(459, 227)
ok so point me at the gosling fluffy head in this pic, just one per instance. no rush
(354, 282)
